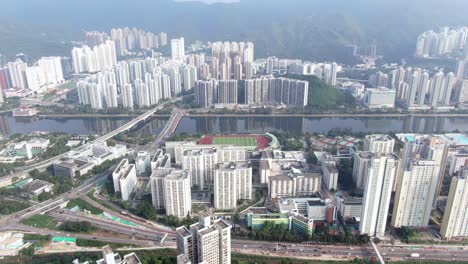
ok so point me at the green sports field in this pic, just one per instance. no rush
(236, 141)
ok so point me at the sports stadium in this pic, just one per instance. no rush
(251, 141)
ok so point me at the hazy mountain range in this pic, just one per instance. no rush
(307, 29)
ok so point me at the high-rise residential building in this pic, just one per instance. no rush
(163, 38)
(294, 185)
(268, 90)
(17, 71)
(227, 92)
(205, 242)
(329, 172)
(201, 164)
(378, 143)
(455, 221)
(377, 193)
(442, 43)
(5, 81)
(248, 70)
(457, 161)
(170, 189)
(362, 161)
(142, 162)
(232, 182)
(142, 97)
(415, 194)
(427, 147)
(178, 49)
(35, 78)
(94, 38)
(205, 93)
(124, 178)
(127, 96)
(99, 58)
(51, 67)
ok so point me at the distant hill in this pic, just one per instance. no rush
(308, 29)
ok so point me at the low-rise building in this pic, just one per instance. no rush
(350, 207)
(37, 187)
(71, 168)
(376, 98)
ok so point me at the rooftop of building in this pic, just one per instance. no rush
(199, 151)
(233, 165)
(315, 203)
(207, 230)
(178, 174)
(352, 200)
(258, 210)
(380, 137)
(127, 171)
(35, 185)
(106, 250)
(132, 258)
(221, 224)
(157, 154)
(183, 231)
(291, 176)
(302, 218)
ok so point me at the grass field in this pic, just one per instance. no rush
(41, 221)
(236, 141)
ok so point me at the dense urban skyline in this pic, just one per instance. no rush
(217, 195)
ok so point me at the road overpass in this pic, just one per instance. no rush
(7, 180)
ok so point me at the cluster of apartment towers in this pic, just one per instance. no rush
(416, 178)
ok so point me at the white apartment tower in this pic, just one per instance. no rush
(362, 161)
(455, 221)
(201, 163)
(124, 178)
(415, 194)
(178, 49)
(377, 193)
(170, 189)
(232, 182)
(378, 143)
(207, 242)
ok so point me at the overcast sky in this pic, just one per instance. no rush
(210, 1)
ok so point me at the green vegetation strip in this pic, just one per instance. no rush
(9, 206)
(83, 205)
(92, 197)
(41, 221)
(95, 243)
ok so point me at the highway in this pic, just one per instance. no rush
(109, 225)
(45, 206)
(141, 222)
(44, 232)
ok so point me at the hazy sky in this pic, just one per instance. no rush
(210, 1)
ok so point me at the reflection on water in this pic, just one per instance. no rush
(10, 125)
(321, 125)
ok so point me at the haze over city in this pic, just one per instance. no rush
(224, 131)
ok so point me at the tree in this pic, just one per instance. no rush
(27, 252)
(236, 218)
